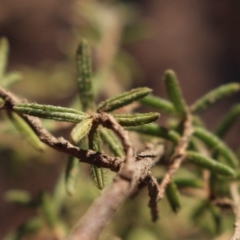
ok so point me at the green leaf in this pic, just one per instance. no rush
(228, 121)
(84, 75)
(26, 131)
(30, 227)
(210, 164)
(173, 196)
(72, 174)
(159, 103)
(51, 112)
(136, 119)
(81, 130)
(214, 96)
(217, 217)
(11, 78)
(49, 210)
(200, 210)
(123, 99)
(188, 182)
(174, 92)
(4, 50)
(112, 142)
(19, 197)
(97, 173)
(157, 131)
(217, 145)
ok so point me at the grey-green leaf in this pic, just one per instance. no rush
(136, 119)
(26, 131)
(123, 99)
(98, 174)
(228, 121)
(81, 130)
(159, 103)
(112, 142)
(174, 92)
(157, 131)
(84, 75)
(215, 143)
(210, 164)
(51, 112)
(72, 174)
(214, 96)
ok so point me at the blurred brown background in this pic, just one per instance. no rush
(200, 40)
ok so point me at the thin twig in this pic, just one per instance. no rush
(236, 209)
(61, 144)
(103, 209)
(136, 170)
(178, 155)
(153, 191)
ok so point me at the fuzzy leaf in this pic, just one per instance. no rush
(216, 144)
(157, 131)
(173, 196)
(84, 75)
(174, 92)
(228, 121)
(159, 103)
(26, 131)
(97, 173)
(123, 99)
(136, 119)
(112, 142)
(81, 130)
(214, 96)
(51, 112)
(72, 174)
(4, 50)
(210, 164)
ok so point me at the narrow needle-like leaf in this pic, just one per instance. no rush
(157, 131)
(51, 112)
(97, 173)
(26, 131)
(174, 92)
(112, 142)
(159, 103)
(123, 99)
(216, 144)
(228, 121)
(210, 164)
(136, 119)
(4, 49)
(173, 196)
(214, 96)
(81, 130)
(72, 174)
(84, 75)
(188, 182)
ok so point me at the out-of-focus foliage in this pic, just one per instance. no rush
(109, 26)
